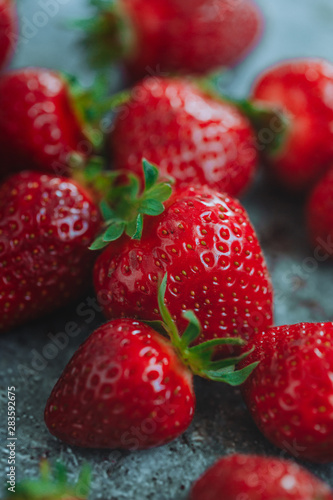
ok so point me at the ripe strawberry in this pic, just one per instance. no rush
(205, 241)
(46, 226)
(124, 388)
(258, 478)
(194, 36)
(129, 387)
(52, 485)
(290, 394)
(191, 136)
(320, 217)
(43, 125)
(8, 30)
(300, 91)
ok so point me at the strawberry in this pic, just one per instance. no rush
(129, 387)
(299, 90)
(320, 218)
(204, 240)
(123, 388)
(46, 226)
(8, 30)
(290, 394)
(253, 477)
(194, 36)
(193, 137)
(43, 122)
(52, 485)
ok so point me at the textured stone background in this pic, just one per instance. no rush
(303, 289)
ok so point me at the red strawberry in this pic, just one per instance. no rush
(205, 241)
(258, 478)
(46, 226)
(52, 485)
(290, 394)
(191, 136)
(8, 30)
(320, 217)
(194, 36)
(42, 124)
(300, 90)
(129, 387)
(124, 388)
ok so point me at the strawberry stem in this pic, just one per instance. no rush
(200, 357)
(109, 34)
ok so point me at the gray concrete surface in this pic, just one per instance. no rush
(303, 288)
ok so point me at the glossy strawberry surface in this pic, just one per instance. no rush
(124, 388)
(206, 244)
(8, 30)
(46, 226)
(194, 36)
(302, 89)
(320, 217)
(192, 137)
(253, 477)
(290, 393)
(39, 128)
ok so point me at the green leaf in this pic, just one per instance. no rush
(160, 192)
(114, 231)
(207, 346)
(106, 210)
(138, 228)
(234, 378)
(224, 363)
(151, 207)
(193, 329)
(150, 174)
(99, 243)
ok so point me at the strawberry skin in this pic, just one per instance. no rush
(192, 137)
(290, 393)
(253, 477)
(124, 388)
(215, 267)
(39, 127)
(301, 90)
(46, 226)
(320, 216)
(192, 36)
(8, 30)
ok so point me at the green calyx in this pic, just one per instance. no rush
(53, 485)
(271, 125)
(90, 105)
(200, 357)
(109, 34)
(129, 206)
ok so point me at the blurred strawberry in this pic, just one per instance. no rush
(8, 30)
(186, 36)
(45, 122)
(320, 217)
(250, 477)
(195, 138)
(46, 226)
(293, 112)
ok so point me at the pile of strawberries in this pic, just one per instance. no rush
(147, 211)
